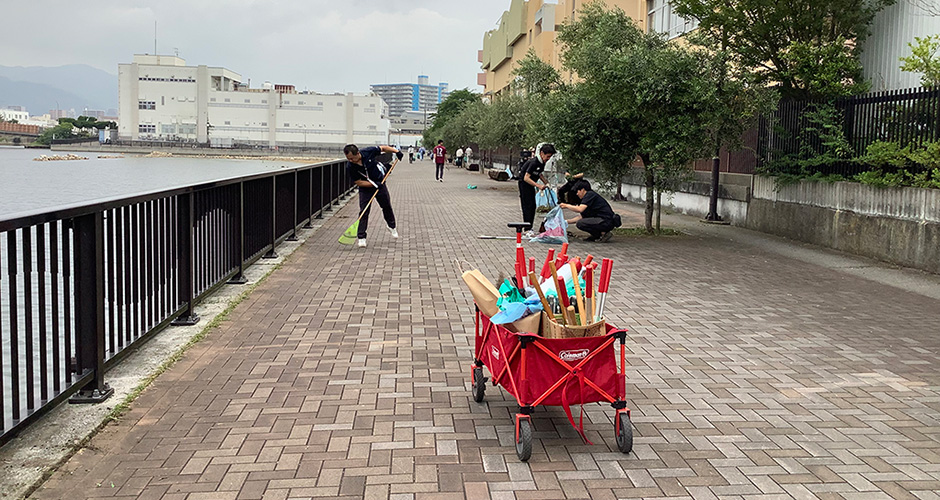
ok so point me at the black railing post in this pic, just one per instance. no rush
(322, 170)
(296, 197)
(185, 258)
(89, 307)
(310, 210)
(271, 253)
(328, 187)
(238, 238)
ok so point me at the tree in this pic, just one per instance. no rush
(656, 94)
(447, 110)
(736, 106)
(924, 59)
(61, 131)
(535, 77)
(809, 48)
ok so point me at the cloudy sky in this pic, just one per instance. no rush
(321, 45)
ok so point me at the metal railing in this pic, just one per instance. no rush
(79, 285)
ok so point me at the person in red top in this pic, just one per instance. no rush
(440, 156)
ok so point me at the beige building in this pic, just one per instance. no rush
(533, 24)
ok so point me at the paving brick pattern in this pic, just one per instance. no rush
(344, 375)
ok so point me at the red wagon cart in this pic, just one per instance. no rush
(541, 371)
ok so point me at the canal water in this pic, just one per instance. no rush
(28, 186)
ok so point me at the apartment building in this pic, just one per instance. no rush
(403, 97)
(161, 98)
(533, 24)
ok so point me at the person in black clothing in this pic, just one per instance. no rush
(565, 193)
(594, 213)
(365, 171)
(529, 176)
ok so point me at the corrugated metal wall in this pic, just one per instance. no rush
(892, 30)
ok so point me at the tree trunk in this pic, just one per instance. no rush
(659, 208)
(650, 181)
(713, 195)
(619, 196)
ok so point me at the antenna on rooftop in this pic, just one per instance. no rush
(177, 50)
(154, 37)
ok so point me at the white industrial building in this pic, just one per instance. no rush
(161, 98)
(892, 30)
(17, 113)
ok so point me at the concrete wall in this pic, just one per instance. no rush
(734, 193)
(898, 225)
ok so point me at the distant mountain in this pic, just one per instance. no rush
(75, 86)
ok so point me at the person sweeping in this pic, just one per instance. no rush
(365, 171)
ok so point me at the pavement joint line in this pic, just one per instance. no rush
(66, 429)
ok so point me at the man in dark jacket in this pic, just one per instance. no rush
(365, 171)
(594, 213)
(531, 172)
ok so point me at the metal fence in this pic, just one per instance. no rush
(908, 116)
(80, 285)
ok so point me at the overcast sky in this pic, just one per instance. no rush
(319, 45)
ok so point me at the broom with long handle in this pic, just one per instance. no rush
(351, 235)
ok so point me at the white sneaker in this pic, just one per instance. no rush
(361, 242)
(394, 232)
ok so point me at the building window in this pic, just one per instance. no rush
(339, 104)
(355, 104)
(372, 105)
(228, 122)
(264, 101)
(372, 127)
(319, 103)
(212, 99)
(146, 105)
(147, 128)
(248, 101)
(300, 103)
(228, 100)
(187, 129)
(286, 102)
(662, 19)
(264, 124)
(287, 124)
(168, 129)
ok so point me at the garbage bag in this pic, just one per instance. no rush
(546, 198)
(556, 228)
(509, 295)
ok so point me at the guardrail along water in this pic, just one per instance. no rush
(81, 284)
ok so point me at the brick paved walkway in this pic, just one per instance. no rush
(344, 375)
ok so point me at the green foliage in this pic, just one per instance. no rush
(447, 111)
(535, 77)
(799, 44)
(924, 59)
(64, 130)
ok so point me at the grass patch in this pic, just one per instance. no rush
(641, 231)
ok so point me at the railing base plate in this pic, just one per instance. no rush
(186, 320)
(270, 255)
(238, 280)
(292, 237)
(93, 396)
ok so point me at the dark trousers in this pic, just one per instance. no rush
(565, 195)
(439, 172)
(527, 197)
(385, 202)
(595, 226)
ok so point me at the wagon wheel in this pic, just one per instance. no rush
(625, 436)
(524, 442)
(479, 384)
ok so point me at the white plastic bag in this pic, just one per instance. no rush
(556, 228)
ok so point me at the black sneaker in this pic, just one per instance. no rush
(605, 237)
(591, 238)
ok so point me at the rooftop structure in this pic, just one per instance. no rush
(422, 96)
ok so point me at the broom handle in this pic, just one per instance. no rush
(376, 191)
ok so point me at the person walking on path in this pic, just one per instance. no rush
(411, 154)
(467, 156)
(529, 175)
(440, 156)
(458, 157)
(365, 171)
(595, 216)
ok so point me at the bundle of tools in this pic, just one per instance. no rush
(563, 291)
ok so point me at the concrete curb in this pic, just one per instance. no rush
(29, 458)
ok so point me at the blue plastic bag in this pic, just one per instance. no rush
(546, 198)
